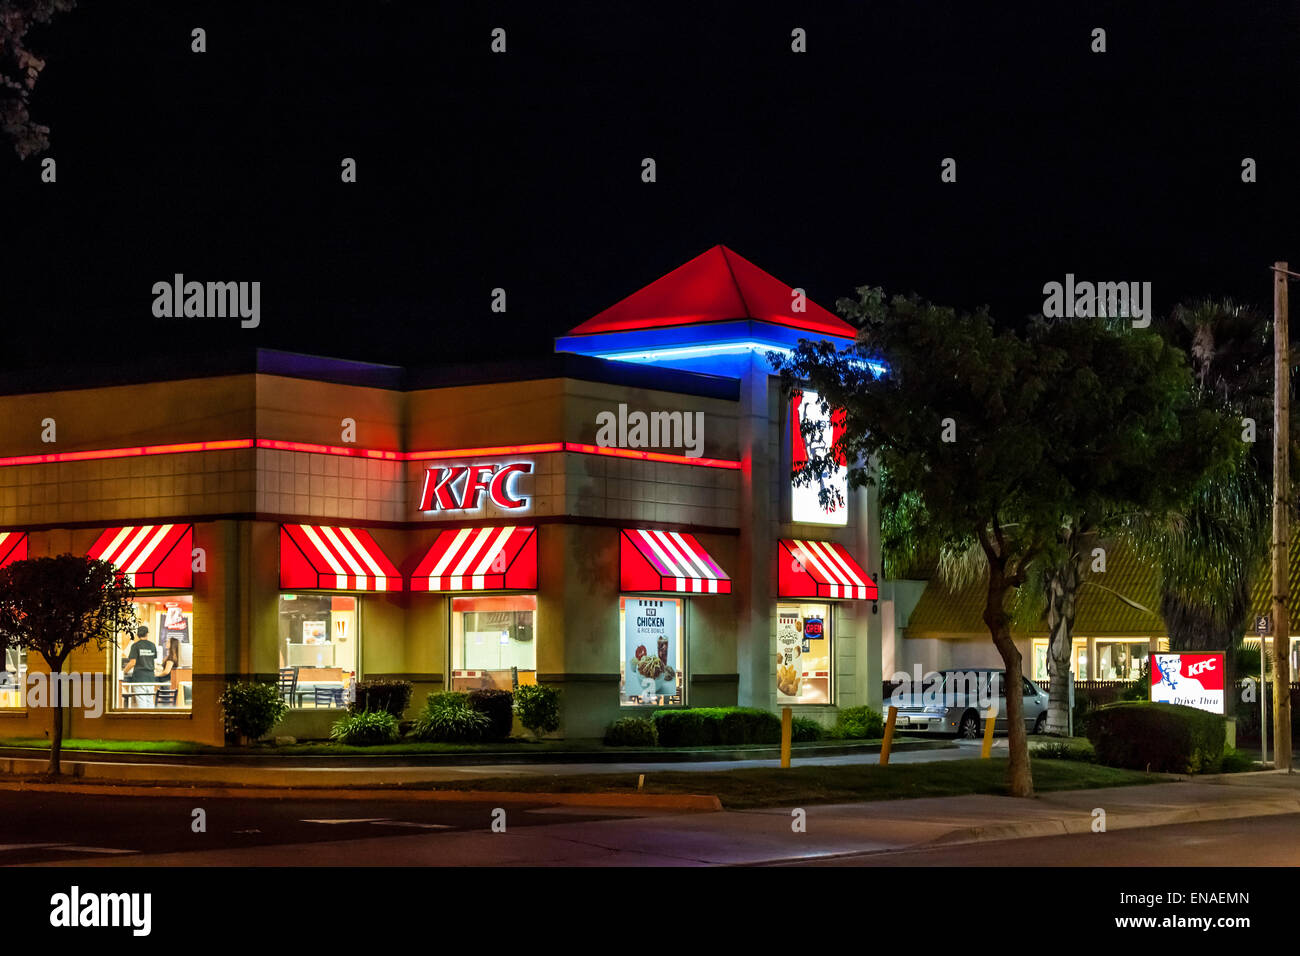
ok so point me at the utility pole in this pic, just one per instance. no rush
(1281, 511)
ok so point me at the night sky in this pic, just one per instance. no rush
(523, 170)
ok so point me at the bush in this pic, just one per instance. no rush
(707, 726)
(805, 730)
(365, 729)
(251, 709)
(858, 723)
(680, 728)
(498, 706)
(1167, 738)
(449, 718)
(392, 696)
(538, 707)
(1236, 761)
(1063, 750)
(1140, 689)
(631, 732)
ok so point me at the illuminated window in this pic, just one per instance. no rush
(803, 644)
(318, 649)
(154, 666)
(13, 677)
(651, 642)
(493, 642)
(1121, 660)
(1078, 656)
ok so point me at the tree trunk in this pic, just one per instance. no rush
(56, 738)
(1062, 586)
(1020, 781)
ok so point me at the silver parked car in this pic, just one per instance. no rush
(952, 704)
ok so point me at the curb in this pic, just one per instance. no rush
(646, 801)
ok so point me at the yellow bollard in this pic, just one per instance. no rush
(989, 719)
(889, 735)
(787, 730)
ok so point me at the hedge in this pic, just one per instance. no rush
(631, 732)
(1167, 738)
(498, 706)
(704, 726)
(392, 696)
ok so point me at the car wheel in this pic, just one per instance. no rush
(1040, 724)
(969, 728)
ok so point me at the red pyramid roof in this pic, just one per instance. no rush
(715, 286)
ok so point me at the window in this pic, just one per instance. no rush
(652, 640)
(318, 649)
(13, 677)
(1121, 660)
(154, 666)
(1078, 656)
(803, 644)
(493, 642)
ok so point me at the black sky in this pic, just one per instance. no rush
(523, 170)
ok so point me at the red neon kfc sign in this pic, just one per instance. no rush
(461, 487)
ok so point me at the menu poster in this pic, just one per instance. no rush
(174, 623)
(314, 632)
(789, 646)
(649, 648)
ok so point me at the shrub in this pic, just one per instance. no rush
(1236, 761)
(749, 725)
(1168, 738)
(538, 707)
(449, 718)
(251, 709)
(680, 728)
(631, 732)
(1062, 750)
(392, 696)
(365, 729)
(805, 730)
(498, 706)
(1140, 689)
(859, 723)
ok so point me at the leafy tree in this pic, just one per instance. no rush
(20, 67)
(986, 432)
(1213, 545)
(55, 606)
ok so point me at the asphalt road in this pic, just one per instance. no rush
(72, 829)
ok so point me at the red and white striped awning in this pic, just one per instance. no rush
(149, 555)
(13, 547)
(480, 559)
(668, 561)
(821, 569)
(334, 559)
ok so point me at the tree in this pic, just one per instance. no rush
(986, 431)
(19, 70)
(1139, 440)
(55, 606)
(1212, 545)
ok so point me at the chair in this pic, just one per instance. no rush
(165, 697)
(288, 683)
(329, 696)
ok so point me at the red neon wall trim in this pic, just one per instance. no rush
(540, 448)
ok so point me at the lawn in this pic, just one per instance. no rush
(773, 787)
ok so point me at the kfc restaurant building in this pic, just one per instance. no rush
(616, 519)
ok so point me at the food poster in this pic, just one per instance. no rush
(650, 652)
(803, 656)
